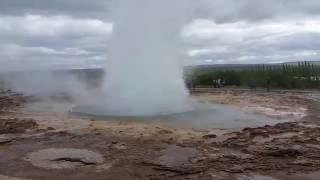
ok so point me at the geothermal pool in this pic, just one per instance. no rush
(203, 115)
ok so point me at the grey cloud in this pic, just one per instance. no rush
(254, 10)
(15, 57)
(253, 42)
(75, 8)
(299, 41)
(75, 33)
(51, 41)
(219, 10)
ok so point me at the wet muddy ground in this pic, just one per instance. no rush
(40, 141)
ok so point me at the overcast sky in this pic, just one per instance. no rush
(46, 34)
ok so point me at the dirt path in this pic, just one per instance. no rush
(91, 149)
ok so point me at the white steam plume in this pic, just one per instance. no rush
(144, 75)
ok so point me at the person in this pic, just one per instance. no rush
(219, 83)
(268, 84)
(252, 85)
(215, 84)
(222, 82)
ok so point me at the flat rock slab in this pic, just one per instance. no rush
(11, 178)
(64, 158)
(5, 139)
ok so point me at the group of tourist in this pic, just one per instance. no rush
(252, 84)
(219, 83)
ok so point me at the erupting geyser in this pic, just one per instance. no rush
(144, 76)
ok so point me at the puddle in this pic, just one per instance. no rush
(310, 176)
(175, 156)
(301, 176)
(297, 113)
(2, 177)
(255, 177)
(47, 106)
(315, 97)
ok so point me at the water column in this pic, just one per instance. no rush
(144, 73)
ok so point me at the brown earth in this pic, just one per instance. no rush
(139, 150)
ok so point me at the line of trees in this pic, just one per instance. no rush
(303, 75)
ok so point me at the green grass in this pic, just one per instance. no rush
(301, 76)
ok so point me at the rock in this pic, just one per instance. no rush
(258, 132)
(198, 159)
(50, 129)
(283, 151)
(104, 167)
(302, 162)
(209, 136)
(167, 141)
(316, 146)
(287, 125)
(239, 156)
(235, 169)
(119, 146)
(16, 125)
(164, 131)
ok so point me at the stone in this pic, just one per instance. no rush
(16, 125)
(50, 129)
(120, 146)
(283, 151)
(164, 131)
(209, 136)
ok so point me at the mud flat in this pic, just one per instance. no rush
(89, 148)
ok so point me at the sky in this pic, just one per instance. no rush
(47, 34)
